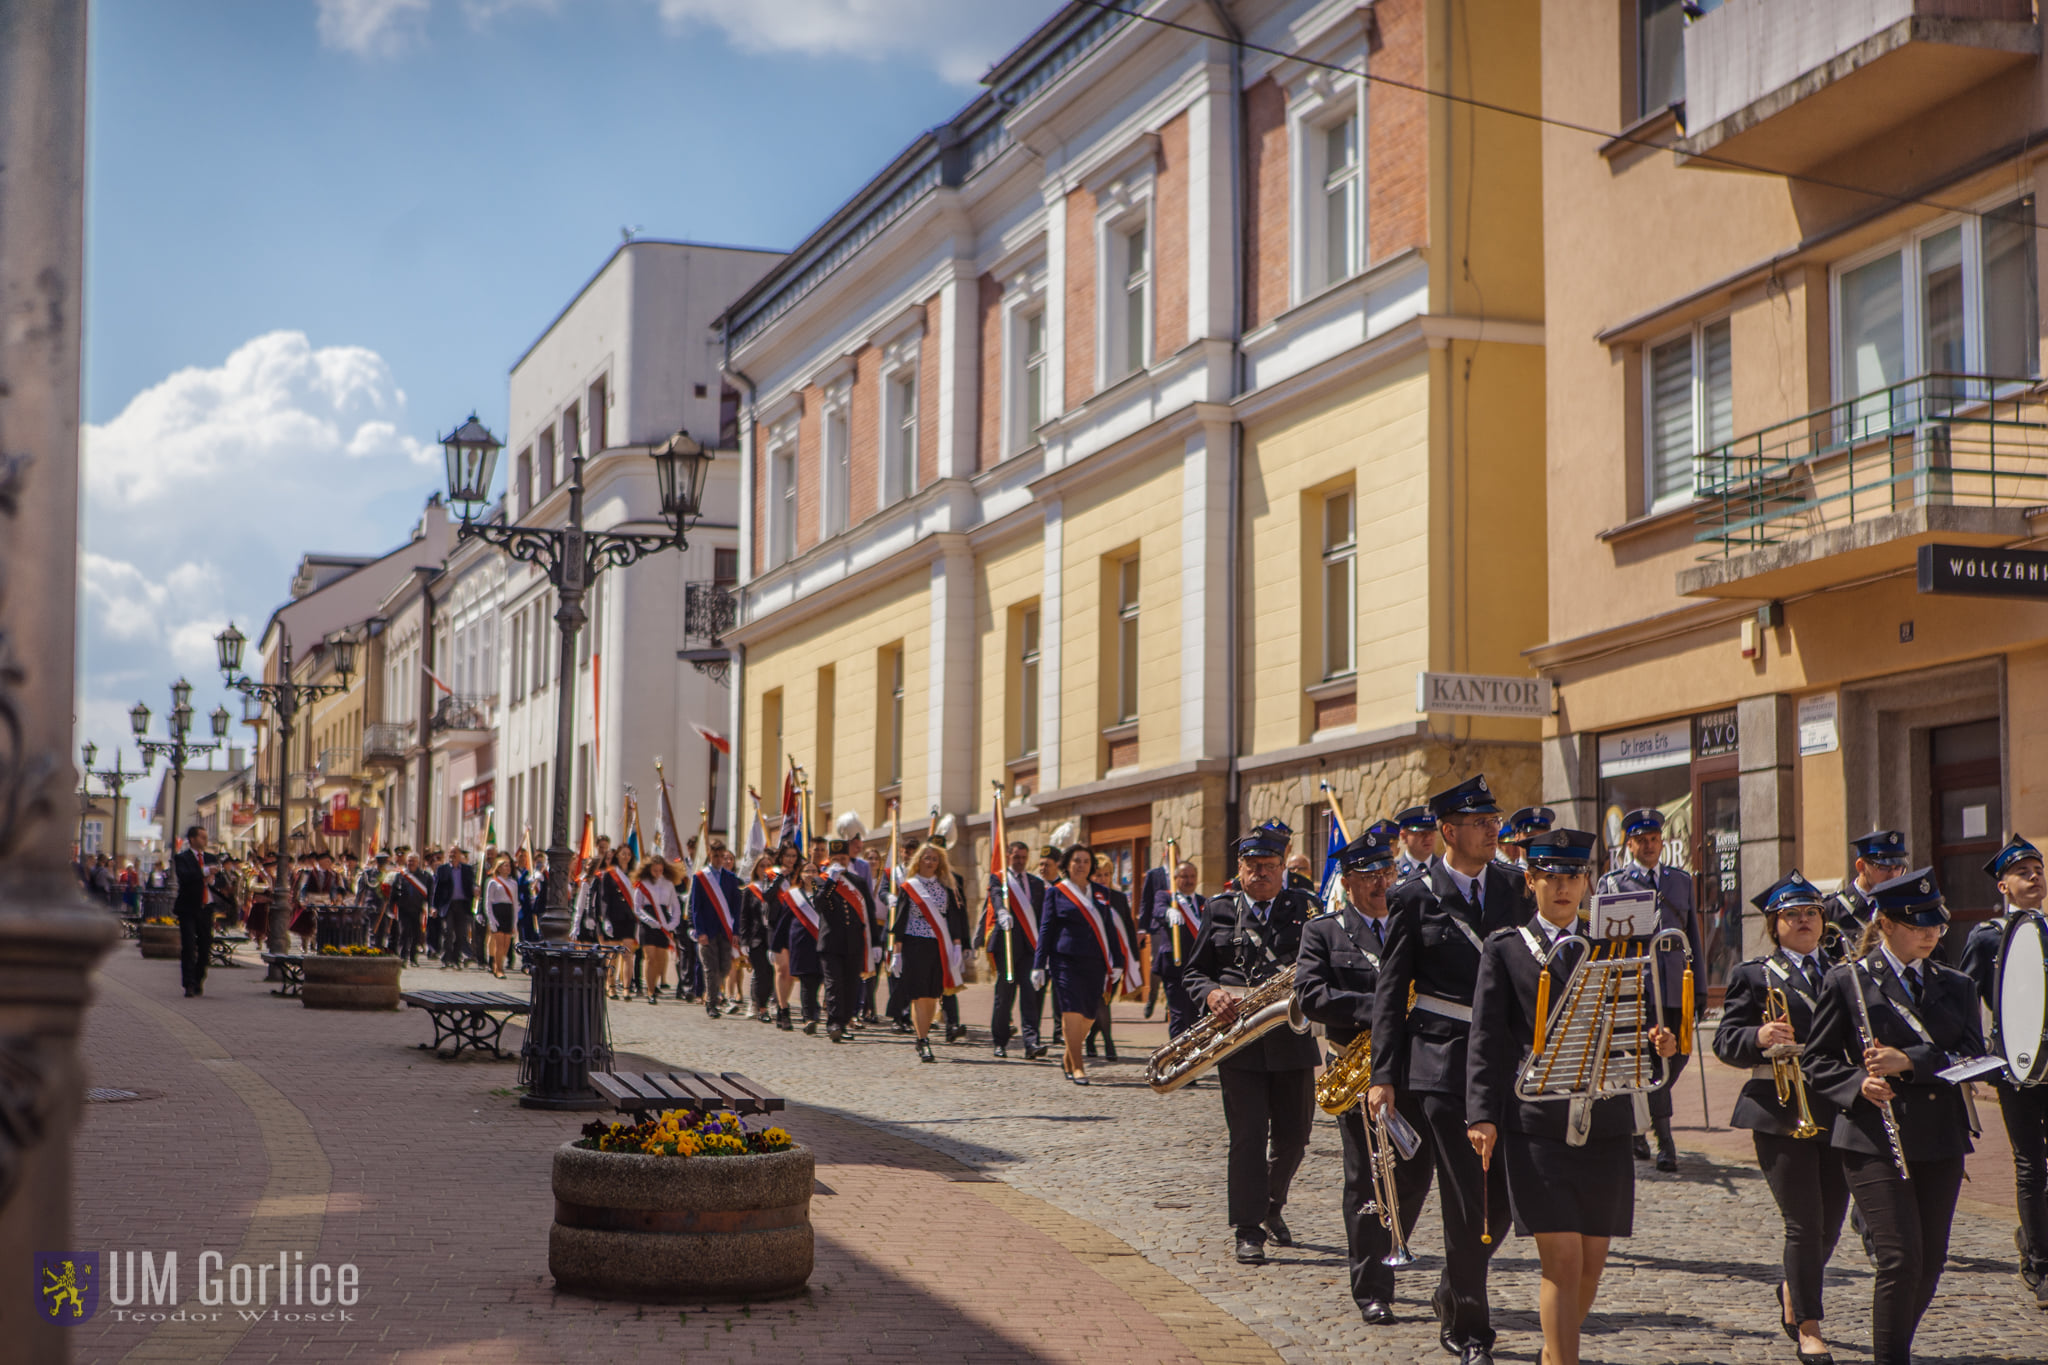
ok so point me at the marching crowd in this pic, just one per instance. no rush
(1455, 960)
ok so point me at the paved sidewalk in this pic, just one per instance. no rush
(270, 1128)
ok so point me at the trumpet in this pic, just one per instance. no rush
(1786, 1072)
(1383, 1142)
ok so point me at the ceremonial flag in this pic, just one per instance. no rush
(633, 826)
(792, 810)
(586, 849)
(1333, 880)
(757, 832)
(435, 678)
(668, 842)
(713, 738)
(998, 859)
(490, 827)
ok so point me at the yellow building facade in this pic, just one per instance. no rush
(1135, 441)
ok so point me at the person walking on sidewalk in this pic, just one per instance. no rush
(455, 899)
(715, 911)
(194, 908)
(501, 913)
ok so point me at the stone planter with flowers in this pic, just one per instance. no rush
(680, 1209)
(158, 938)
(350, 979)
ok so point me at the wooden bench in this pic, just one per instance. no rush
(224, 946)
(291, 972)
(469, 1019)
(647, 1092)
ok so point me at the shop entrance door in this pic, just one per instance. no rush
(1967, 815)
(1717, 880)
(1123, 839)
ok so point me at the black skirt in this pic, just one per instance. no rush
(1555, 1187)
(501, 914)
(1077, 984)
(620, 923)
(924, 976)
(650, 937)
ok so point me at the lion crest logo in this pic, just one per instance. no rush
(67, 1285)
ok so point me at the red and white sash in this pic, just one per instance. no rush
(858, 904)
(625, 886)
(1020, 906)
(1087, 906)
(510, 891)
(949, 969)
(716, 894)
(800, 905)
(426, 892)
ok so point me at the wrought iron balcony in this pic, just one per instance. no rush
(1861, 483)
(709, 611)
(460, 713)
(386, 743)
(338, 762)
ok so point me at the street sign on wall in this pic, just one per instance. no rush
(1974, 571)
(1478, 694)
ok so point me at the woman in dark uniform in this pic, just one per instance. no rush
(615, 915)
(1804, 1173)
(780, 923)
(1922, 1019)
(1077, 952)
(923, 960)
(757, 919)
(1571, 1199)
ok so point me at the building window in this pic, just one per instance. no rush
(547, 462)
(1131, 318)
(523, 477)
(837, 457)
(1690, 406)
(518, 669)
(1956, 300)
(1127, 640)
(725, 567)
(539, 633)
(1027, 394)
(1343, 191)
(782, 494)
(1033, 326)
(1340, 605)
(728, 417)
(1660, 52)
(899, 435)
(1027, 683)
(572, 438)
(598, 425)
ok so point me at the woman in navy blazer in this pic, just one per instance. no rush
(1077, 950)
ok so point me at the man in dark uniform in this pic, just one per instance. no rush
(412, 894)
(1441, 918)
(1172, 919)
(1417, 825)
(1880, 856)
(1248, 936)
(846, 914)
(1008, 928)
(1517, 830)
(2022, 885)
(1334, 978)
(1645, 870)
(194, 909)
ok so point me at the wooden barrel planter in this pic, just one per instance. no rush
(158, 940)
(346, 982)
(664, 1229)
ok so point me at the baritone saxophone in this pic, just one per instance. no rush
(1269, 1005)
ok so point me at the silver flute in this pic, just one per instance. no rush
(1884, 1107)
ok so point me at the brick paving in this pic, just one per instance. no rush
(978, 1206)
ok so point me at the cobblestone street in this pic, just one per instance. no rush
(976, 1208)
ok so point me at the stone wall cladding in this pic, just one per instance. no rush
(1376, 783)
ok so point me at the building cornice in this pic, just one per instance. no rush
(1577, 650)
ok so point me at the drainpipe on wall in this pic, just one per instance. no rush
(736, 668)
(1233, 556)
(423, 782)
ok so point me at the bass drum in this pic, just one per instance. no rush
(2020, 1022)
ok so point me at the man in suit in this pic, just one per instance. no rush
(194, 908)
(1880, 856)
(1171, 920)
(1009, 930)
(714, 897)
(412, 894)
(1249, 936)
(1440, 918)
(455, 900)
(1645, 870)
(1335, 979)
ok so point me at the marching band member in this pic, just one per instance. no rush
(657, 914)
(501, 913)
(1009, 931)
(1078, 954)
(929, 932)
(1880, 856)
(846, 915)
(757, 925)
(2021, 886)
(1896, 1111)
(1249, 935)
(1417, 826)
(1804, 1173)
(1172, 920)
(714, 925)
(617, 922)
(1442, 916)
(1572, 1198)
(1646, 870)
(1334, 978)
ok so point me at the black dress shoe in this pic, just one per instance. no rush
(955, 1032)
(924, 1050)
(1791, 1328)
(902, 1026)
(1250, 1252)
(1475, 1354)
(1109, 1052)
(1032, 1054)
(1278, 1228)
(836, 1034)
(1376, 1312)
(811, 1027)
(1667, 1160)
(1002, 1051)
(1641, 1146)
(1815, 1358)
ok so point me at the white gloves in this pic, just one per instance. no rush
(896, 964)
(1038, 978)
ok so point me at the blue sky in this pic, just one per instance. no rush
(320, 231)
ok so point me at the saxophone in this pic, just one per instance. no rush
(1269, 1005)
(1345, 1080)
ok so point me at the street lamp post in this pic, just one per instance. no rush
(560, 1040)
(178, 750)
(115, 780)
(284, 698)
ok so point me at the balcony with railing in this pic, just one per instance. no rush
(336, 763)
(463, 720)
(1789, 83)
(386, 743)
(709, 611)
(1853, 490)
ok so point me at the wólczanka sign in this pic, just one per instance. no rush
(1476, 694)
(1974, 571)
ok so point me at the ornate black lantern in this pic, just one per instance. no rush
(89, 753)
(229, 642)
(680, 466)
(472, 459)
(138, 719)
(181, 695)
(344, 654)
(221, 720)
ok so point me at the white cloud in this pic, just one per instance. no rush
(204, 491)
(959, 38)
(371, 28)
